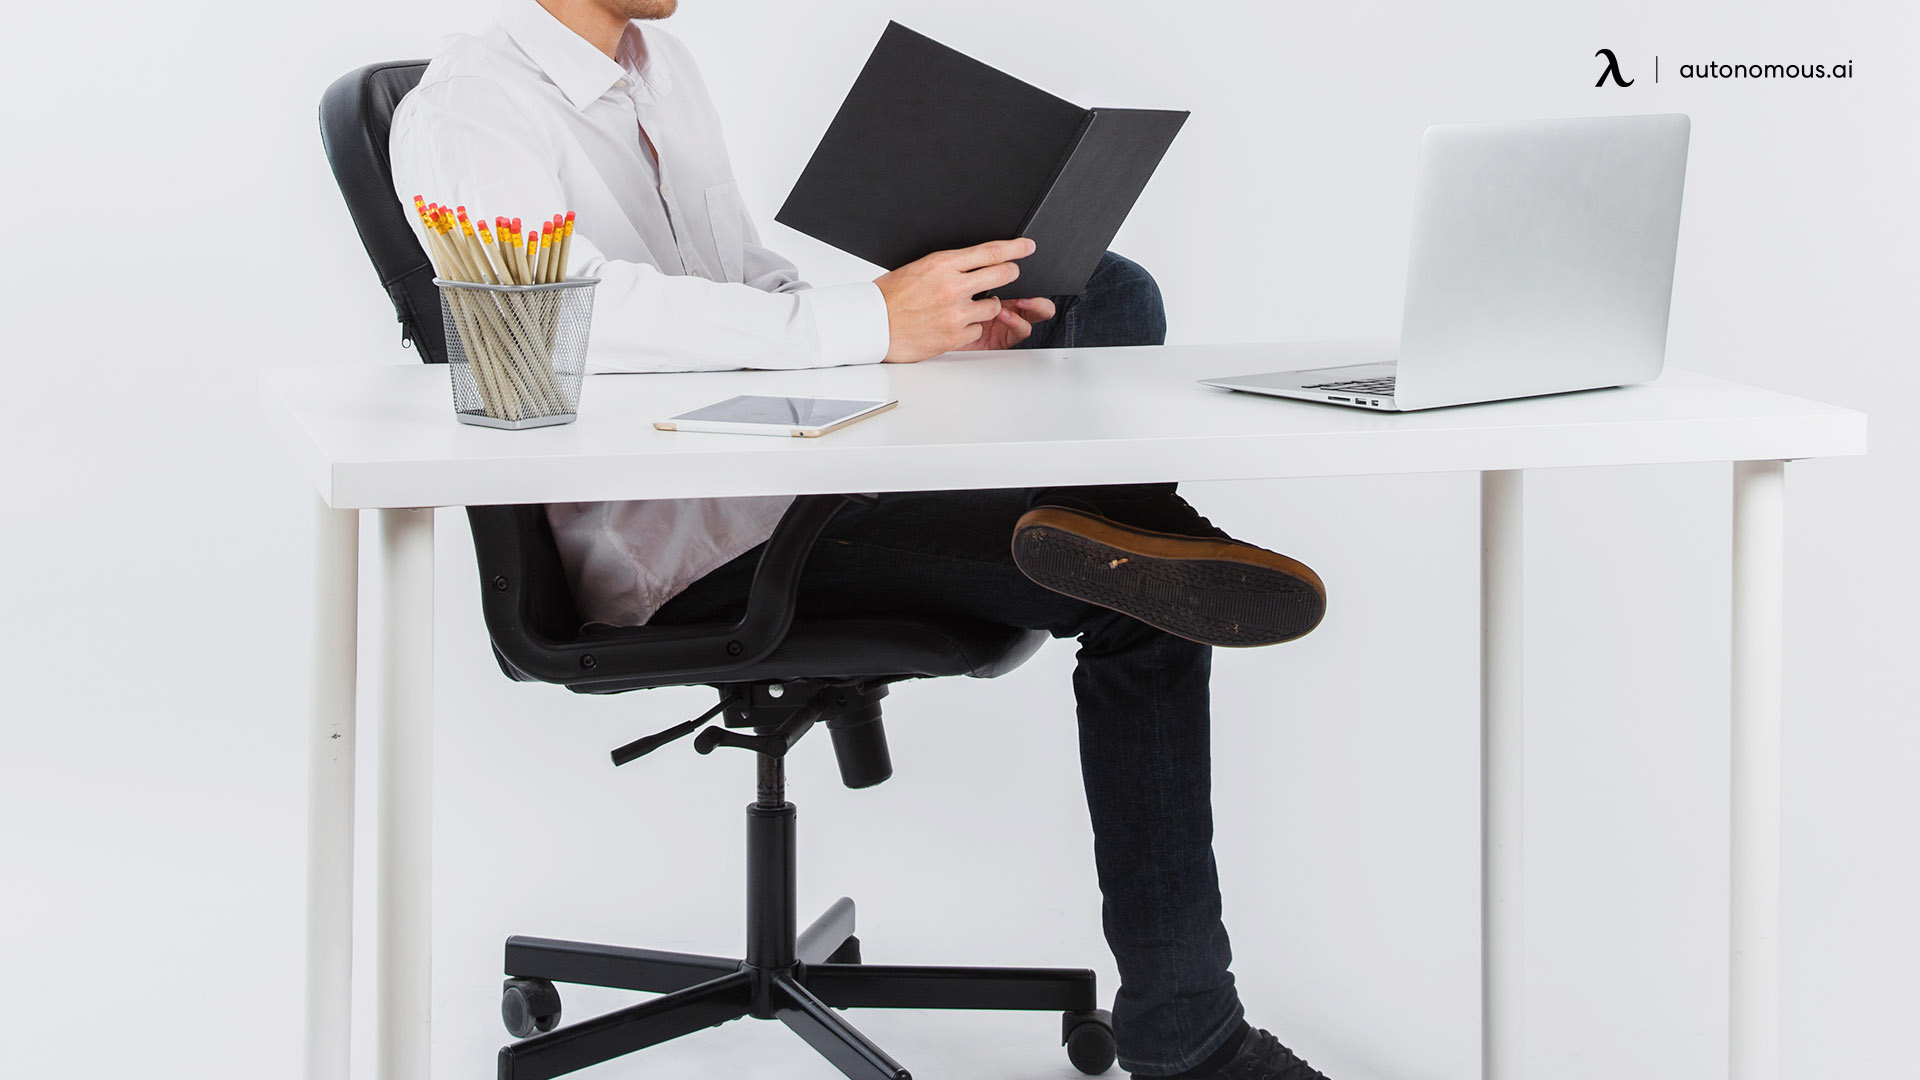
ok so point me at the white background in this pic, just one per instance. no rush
(172, 228)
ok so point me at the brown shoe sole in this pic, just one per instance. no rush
(1216, 592)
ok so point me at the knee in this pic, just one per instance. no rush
(1116, 271)
(1131, 292)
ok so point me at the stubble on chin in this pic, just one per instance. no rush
(649, 9)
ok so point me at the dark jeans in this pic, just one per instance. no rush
(1141, 694)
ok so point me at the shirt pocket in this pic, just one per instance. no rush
(729, 220)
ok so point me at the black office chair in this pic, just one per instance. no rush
(777, 676)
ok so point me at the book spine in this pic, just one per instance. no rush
(1046, 189)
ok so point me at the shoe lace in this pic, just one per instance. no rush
(1270, 1058)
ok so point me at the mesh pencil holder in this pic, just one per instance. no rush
(517, 353)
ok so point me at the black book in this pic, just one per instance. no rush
(934, 150)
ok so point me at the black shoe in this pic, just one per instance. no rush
(1261, 1057)
(1155, 558)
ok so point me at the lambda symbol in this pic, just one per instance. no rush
(1613, 69)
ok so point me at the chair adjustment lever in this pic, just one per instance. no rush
(640, 748)
(774, 743)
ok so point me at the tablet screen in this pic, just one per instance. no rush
(780, 411)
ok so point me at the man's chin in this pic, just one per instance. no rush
(649, 9)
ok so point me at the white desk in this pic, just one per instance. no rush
(383, 438)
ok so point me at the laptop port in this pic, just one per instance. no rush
(1330, 397)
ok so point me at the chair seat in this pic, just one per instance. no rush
(877, 646)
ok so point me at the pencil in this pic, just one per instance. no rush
(458, 234)
(522, 273)
(504, 228)
(420, 209)
(475, 253)
(455, 267)
(427, 238)
(503, 236)
(566, 247)
(493, 253)
(449, 262)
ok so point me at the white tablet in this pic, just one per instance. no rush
(795, 417)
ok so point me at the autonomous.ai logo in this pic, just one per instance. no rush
(1803, 71)
(1612, 71)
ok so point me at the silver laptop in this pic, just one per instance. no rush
(1542, 262)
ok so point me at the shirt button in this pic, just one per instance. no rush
(693, 273)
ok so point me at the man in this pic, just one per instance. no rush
(575, 105)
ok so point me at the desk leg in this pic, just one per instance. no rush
(404, 891)
(336, 614)
(1759, 564)
(1502, 1031)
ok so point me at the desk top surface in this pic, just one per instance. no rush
(385, 436)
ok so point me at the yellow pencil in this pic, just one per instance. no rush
(430, 237)
(475, 254)
(449, 269)
(523, 250)
(503, 243)
(450, 232)
(493, 253)
(456, 267)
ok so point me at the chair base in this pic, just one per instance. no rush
(707, 991)
(796, 977)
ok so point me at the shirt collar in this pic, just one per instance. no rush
(582, 72)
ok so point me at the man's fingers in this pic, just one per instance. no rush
(995, 251)
(982, 311)
(989, 278)
(1036, 309)
(1020, 327)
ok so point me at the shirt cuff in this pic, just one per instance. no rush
(852, 323)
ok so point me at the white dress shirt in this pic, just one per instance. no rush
(529, 119)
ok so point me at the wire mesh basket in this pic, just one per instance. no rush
(517, 353)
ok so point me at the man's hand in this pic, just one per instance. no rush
(1014, 323)
(930, 305)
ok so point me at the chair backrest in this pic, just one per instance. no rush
(356, 115)
(511, 543)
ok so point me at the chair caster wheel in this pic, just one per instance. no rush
(529, 1007)
(1088, 1037)
(847, 953)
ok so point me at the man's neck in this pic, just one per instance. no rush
(600, 26)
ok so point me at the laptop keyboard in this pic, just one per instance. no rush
(1357, 386)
